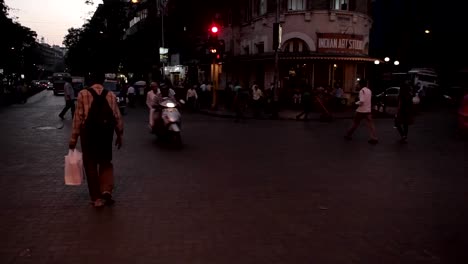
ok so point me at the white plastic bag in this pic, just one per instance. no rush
(74, 171)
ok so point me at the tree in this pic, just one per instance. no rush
(19, 50)
(97, 45)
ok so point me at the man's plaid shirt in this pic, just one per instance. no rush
(85, 98)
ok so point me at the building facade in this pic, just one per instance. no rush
(52, 58)
(323, 43)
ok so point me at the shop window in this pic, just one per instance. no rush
(259, 7)
(296, 5)
(263, 7)
(339, 4)
(247, 10)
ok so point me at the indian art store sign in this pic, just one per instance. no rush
(340, 43)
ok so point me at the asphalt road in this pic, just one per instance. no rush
(255, 192)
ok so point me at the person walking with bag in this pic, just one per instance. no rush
(96, 119)
(404, 116)
(364, 111)
(69, 95)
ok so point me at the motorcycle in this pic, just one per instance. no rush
(167, 124)
(122, 103)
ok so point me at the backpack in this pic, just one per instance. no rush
(101, 119)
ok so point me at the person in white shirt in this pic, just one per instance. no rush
(149, 101)
(257, 103)
(131, 96)
(364, 111)
(69, 95)
(192, 97)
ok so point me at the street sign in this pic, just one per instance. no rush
(277, 34)
(163, 54)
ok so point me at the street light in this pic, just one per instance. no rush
(387, 59)
(376, 62)
(427, 31)
(396, 63)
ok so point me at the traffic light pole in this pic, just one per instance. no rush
(215, 68)
(215, 71)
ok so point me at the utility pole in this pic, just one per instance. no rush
(276, 75)
(161, 6)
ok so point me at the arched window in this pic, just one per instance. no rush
(295, 45)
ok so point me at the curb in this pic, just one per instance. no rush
(229, 115)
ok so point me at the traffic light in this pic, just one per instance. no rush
(214, 45)
(213, 37)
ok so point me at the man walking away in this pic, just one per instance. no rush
(307, 105)
(364, 111)
(240, 101)
(131, 96)
(257, 101)
(192, 98)
(149, 101)
(96, 119)
(404, 116)
(69, 95)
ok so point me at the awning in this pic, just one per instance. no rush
(333, 58)
(299, 56)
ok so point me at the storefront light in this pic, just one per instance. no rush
(387, 59)
(376, 62)
(334, 65)
(396, 63)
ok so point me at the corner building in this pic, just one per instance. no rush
(323, 43)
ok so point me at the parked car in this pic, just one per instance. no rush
(389, 97)
(44, 84)
(453, 95)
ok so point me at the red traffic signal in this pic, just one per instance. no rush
(214, 29)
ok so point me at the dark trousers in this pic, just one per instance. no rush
(69, 104)
(305, 113)
(257, 107)
(240, 108)
(131, 100)
(100, 177)
(402, 128)
(357, 121)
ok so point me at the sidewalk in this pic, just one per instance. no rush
(284, 114)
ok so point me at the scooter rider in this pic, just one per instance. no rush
(164, 91)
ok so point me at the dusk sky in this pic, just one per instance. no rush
(51, 18)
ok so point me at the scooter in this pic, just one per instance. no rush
(168, 126)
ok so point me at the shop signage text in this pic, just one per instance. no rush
(340, 43)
